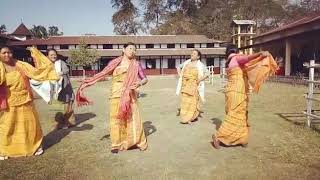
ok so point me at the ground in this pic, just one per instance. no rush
(280, 145)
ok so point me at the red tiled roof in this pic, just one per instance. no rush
(155, 52)
(300, 22)
(22, 30)
(121, 39)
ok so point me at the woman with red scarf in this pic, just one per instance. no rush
(126, 129)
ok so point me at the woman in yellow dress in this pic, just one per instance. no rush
(126, 129)
(190, 87)
(243, 72)
(20, 131)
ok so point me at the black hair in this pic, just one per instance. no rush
(128, 44)
(199, 53)
(51, 49)
(231, 48)
(8, 47)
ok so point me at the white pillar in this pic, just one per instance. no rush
(288, 58)
(251, 41)
(239, 37)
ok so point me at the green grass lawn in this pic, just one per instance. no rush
(280, 146)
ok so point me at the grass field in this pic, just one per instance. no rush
(280, 146)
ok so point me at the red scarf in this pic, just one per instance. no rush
(125, 111)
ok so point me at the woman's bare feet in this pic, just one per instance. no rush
(215, 142)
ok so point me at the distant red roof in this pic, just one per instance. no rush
(300, 22)
(121, 39)
(22, 30)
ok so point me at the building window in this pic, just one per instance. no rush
(42, 47)
(210, 61)
(149, 46)
(171, 46)
(150, 64)
(64, 46)
(171, 63)
(107, 46)
(190, 45)
(210, 45)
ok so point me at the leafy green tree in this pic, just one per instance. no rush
(83, 56)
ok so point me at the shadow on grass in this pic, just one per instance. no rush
(217, 122)
(142, 95)
(55, 136)
(149, 128)
(299, 119)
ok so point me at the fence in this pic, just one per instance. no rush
(216, 78)
(310, 95)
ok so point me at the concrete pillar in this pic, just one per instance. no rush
(251, 41)
(288, 58)
(239, 36)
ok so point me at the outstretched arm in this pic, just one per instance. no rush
(244, 59)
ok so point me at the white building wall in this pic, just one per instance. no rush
(216, 62)
(204, 61)
(157, 63)
(142, 46)
(72, 46)
(177, 62)
(223, 63)
(165, 63)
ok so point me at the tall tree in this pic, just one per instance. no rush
(125, 19)
(42, 32)
(3, 29)
(83, 56)
(39, 32)
(213, 17)
(54, 31)
(154, 12)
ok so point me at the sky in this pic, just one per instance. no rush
(73, 17)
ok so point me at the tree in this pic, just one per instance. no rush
(39, 32)
(155, 11)
(125, 19)
(54, 31)
(3, 29)
(83, 56)
(208, 17)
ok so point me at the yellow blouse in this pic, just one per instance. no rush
(17, 92)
